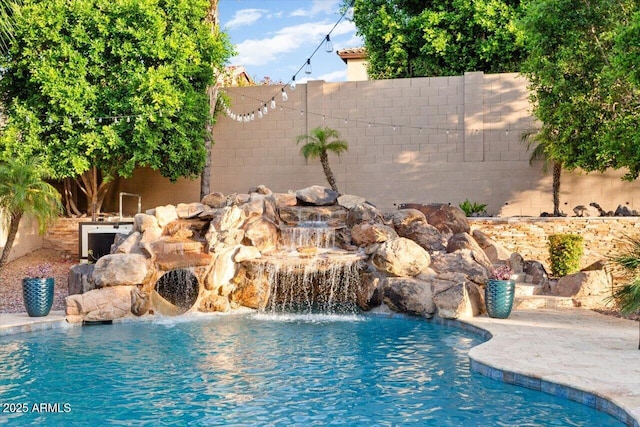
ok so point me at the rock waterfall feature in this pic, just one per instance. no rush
(312, 249)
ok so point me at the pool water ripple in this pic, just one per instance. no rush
(268, 370)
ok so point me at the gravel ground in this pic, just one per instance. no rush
(12, 273)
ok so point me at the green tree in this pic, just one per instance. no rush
(7, 10)
(318, 143)
(540, 143)
(411, 38)
(23, 191)
(625, 263)
(577, 96)
(100, 87)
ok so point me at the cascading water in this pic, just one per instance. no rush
(309, 273)
(176, 292)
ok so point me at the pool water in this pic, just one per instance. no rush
(276, 370)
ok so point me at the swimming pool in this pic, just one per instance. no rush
(265, 370)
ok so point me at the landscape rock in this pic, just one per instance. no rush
(80, 279)
(317, 196)
(262, 233)
(461, 261)
(448, 219)
(465, 241)
(101, 304)
(589, 289)
(214, 200)
(492, 249)
(401, 257)
(408, 295)
(122, 269)
(166, 214)
(365, 234)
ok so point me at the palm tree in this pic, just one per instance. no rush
(626, 264)
(319, 142)
(541, 152)
(7, 11)
(23, 192)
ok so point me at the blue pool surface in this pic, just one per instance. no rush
(265, 370)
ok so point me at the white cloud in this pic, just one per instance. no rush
(256, 52)
(318, 6)
(336, 76)
(245, 17)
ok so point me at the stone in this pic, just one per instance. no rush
(148, 226)
(101, 304)
(265, 204)
(455, 297)
(446, 218)
(285, 199)
(166, 214)
(465, 241)
(317, 195)
(408, 295)
(535, 273)
(349, 201)
(246, 253)
(461, 261)
(516, 263)
(80, 279)
(425, 235)
(400, 257)
(122, 269)
(365, 234)
(261, 233)
(403, 218)
(214, 303)
(251, 293)
(140, 302)
(370, 291)
(222, 272)
(189, 210)
(214, 200)
(622, 211)
(129, 245)
(227, 218)
(294, 216)
(261, 189)
(589, 289)
(492, 249)
(363, 213)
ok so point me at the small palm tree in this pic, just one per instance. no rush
(626, 264)
(541, 141)
(319, 142)
(23, 192)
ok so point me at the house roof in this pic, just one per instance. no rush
(352, 53)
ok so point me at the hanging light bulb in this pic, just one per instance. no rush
(285, 97)
(328, 45)
(273, 103)
(253, 116)
(128, 119)
(293, 83)
(265, 110)
(259, 113)
(307, 68)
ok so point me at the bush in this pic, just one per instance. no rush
(565, 251)
(473, 209)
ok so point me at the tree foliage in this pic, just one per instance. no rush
(318, 143)
(100, 87)
(580, 68)
(412, 38)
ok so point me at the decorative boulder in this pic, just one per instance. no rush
(148, 226)
(261, 233)
(214, 200)
(317, 196)
(465, 241)
(189, 210)
(403, 218)
(80, 279)
(122, 269)
(407, 295)
(166, 214)
(455, 296)
(461, 261)
(370, 292)
(101, 304)
(589, 289)
(425, 235)
(251, 293)
(366, 234)
(350, 201)
(363, 213)
(494, 251)
(448, 219)
(213, 303)
(401, 257)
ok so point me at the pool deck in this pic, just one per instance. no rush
(570, 352)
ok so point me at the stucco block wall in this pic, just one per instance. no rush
(423, 140)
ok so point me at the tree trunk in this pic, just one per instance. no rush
(70, 203)
(95, 192)
(212, 91)
(557, 171)
(11, 237)
(324, 160)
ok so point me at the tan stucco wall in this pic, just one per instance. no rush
(27, 239)
(455, 138)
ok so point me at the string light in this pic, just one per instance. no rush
(328, 45)
(307, 68)
(273, 103)
(284, 96)
(293, 83)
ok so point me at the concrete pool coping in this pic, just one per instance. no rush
(571, 352)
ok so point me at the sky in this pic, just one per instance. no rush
(274, 38)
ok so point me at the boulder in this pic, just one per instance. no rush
(129, 245)
(294, 216)
(223, 270)
(363, 213)
(408, 295)
(285, 199)
(516, 263)
(365, 234)
(189, 210)
(400, 257)
(227, 218)
(535, 273)
(101, 304)
(317, 195)
(493, 250)
(261, 233)
(214, 200)
(425, 235)
(80, 279)
(370, 291)
(349, 201)
(122, 269)
(446, 218)
(140, 302)
(464, 241)
(148, 226)
(165, 215)
(246, 253)
(251, 293)
(461, 261)
(456, 297)
(403, 218)
(589, 289)
(261, 189)
(214, 303)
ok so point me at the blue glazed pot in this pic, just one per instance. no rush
(38, 296)
(498, 296)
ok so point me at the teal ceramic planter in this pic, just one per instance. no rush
(38, 296)
(498, 297)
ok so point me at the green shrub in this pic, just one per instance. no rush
(565, 251)
(472, 208)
